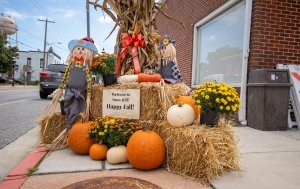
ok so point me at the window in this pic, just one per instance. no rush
(41, 63)
(218, 46)
(28, 61)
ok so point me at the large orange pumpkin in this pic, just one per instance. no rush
(98, 151)
(190, 101)
(146, 150)
(78, 139)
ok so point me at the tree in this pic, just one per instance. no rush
(7, 55)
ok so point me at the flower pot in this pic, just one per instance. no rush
(109, 79)
(99, 78)
(209, 117)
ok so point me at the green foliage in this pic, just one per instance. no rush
(7, 55)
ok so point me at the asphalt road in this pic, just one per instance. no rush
(20, 108)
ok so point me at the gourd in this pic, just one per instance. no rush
(142, 77)
(78, 139)
(127, 78)
(98, 151)
(117, 155)
(181, 115)
(146, 150)
(190, 101)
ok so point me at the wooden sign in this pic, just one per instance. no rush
(121, 103)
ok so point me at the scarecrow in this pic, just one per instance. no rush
(77, 84)
(168, 67)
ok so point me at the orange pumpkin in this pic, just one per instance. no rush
(78, 139)
(190, 101)
(98, 151)
(146, 150)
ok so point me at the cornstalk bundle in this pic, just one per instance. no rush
(133, 18)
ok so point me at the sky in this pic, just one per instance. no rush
(70, 23)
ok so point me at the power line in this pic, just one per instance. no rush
(29, 32)
(61, 48)
(22, 43)
(41, 8)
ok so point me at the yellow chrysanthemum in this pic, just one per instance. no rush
(233, 108)
(217, 100)
(105, 126)
(206, 97)
(105, 130)
(112, 121)
(209, 89)
(221, 107)
(229, 98)
(227, 107)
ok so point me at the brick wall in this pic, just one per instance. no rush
(188, 12)
(275, 33)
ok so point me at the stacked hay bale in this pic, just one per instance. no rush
(155, 100)
(51, 126)
(199, 152)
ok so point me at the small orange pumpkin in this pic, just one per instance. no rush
(146, 150)
(78, 139)
(98, 151)
(190, 101)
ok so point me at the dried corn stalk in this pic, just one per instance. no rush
(134, 16)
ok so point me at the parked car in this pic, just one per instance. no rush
(10, 80)
(2, 80)
(51, 78)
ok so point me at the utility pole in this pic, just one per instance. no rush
(88, 17)
(45, 39)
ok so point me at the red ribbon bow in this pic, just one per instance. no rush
(133, 42)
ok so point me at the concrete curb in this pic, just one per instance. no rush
(17, 177)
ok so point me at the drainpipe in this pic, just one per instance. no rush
(246, 50)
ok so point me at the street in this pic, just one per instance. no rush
(20, 108)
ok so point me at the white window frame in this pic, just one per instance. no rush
(243, 84)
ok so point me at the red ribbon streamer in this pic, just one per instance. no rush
(133, 42)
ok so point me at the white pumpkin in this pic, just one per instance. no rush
(127, 78)
(180, 115)
(117, 155)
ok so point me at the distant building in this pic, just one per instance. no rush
(30, 63)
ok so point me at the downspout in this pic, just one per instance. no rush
(246, 50)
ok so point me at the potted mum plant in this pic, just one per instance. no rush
(113, 131)
(214, 99)
(105, 65)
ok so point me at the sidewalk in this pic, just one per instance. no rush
(269, 159)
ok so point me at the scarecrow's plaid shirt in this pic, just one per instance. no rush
(176, 73)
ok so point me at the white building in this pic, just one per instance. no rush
(30, 63)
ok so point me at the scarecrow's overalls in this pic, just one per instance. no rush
(74, 99)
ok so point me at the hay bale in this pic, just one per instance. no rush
(155, 98)
(199, 152)
(51, 126)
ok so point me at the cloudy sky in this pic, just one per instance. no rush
(70, 23)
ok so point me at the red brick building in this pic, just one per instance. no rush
(223, 40)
